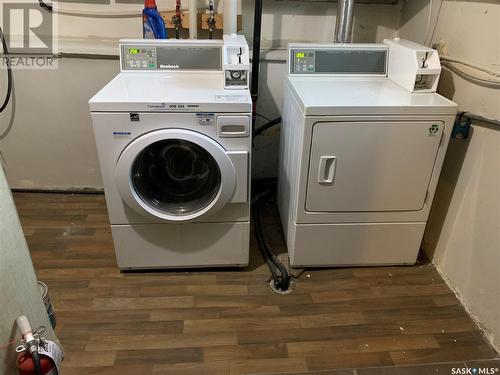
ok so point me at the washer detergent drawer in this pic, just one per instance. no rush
(371, 166)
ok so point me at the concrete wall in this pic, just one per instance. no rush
(49, 144)
(463, 234)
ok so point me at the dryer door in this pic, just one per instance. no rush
(371, 166)
(175, 175)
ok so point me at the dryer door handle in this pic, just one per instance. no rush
(326, 169)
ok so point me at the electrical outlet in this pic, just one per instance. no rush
(461, 128)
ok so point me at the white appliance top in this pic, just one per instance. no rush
(333, 95)
(160, 92)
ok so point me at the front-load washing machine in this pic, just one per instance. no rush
(173, 137)
(364, 136)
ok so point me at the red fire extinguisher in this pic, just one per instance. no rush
(26, 365)
(31, 360)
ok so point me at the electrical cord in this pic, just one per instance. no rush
(479, 118)
(469, 64)
(75, 13)
(435, 24)
(266, 126)
(470, 77)
(9, 72)
(262, 116)
(45, 6)
(428, 28)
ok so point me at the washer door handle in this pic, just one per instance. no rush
(326, 169)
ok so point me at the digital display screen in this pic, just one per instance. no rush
(134, 51)
(351, 61)
(338, 61)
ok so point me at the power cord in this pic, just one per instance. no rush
(262, 116)
(76, 13)
(266, 126)
(479, 81)
(45, 6)
(9, 72)
(470, 65)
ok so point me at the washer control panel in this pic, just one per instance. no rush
(139, 58)
(171, 55)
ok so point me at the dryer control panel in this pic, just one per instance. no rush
(338, 59)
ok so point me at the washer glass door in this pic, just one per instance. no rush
(176, 176)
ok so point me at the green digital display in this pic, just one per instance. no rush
(300, 55)
(133, 51)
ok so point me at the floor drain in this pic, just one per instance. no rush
(279, 291)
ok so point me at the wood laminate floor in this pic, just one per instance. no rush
(227, 322)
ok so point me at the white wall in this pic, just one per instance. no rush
(463, 234)
(50, 143)
(19, 292)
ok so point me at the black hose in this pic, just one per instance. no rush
(266, 126)
(36, 361)
(257, 28)
(9, 72)
(260, 241)
(45, 6)
(280, 275)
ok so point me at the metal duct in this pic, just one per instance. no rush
(193, 19)
(230, 16)
(345, 19)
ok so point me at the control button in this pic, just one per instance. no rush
(235, 74)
